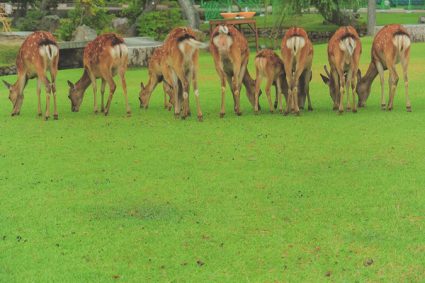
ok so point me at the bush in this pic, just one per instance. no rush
(157, 24)
(31, 21)
(87, 12)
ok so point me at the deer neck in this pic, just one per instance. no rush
(370, 75)
(83, 83)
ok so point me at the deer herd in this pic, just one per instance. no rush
(175, 64)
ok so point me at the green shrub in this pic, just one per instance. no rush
(157, 24)
(87, 12)
(31, 21)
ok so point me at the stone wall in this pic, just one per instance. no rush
(417, 32)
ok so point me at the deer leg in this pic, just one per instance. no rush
(279, 94)
(347, 89)
(53, 86)
(307, 89)
(289, 100)
(124, 88)
(38, 97)
(185, 85)
(112, 88)
(382, 79)
(341, 90)
(238, 73)
(168, 91)
(405, 65)
(45, 80)
(94, 84)
(268, 89)
(393, 86)
(353, 88)
(196, 91)
(102, 95)
(258, 80)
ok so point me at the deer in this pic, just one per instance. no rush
(230, 52)
(157, 67)
(103, 58)
(181, 55)
(344, 51)
(38, 54)
(390, 47)
(269, 65)
(297, 55)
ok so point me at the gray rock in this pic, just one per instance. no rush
(83, 33)
(422, 20)
(50, 23)
(120, 25)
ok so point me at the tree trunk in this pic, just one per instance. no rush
(190, 13)
(371, 17)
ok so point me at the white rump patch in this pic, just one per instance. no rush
(223, 42)
(295, 43)
(48, 51)
(261, 64)
(401, 42)
(119, 51)
(223, 29)
(348, 45)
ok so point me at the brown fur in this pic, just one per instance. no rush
(297, 66)
(385, 55)
(269, 65)
(231, 65)
(99, 62)
(181, 51)
(31, 63)
(157, 67)
(344, 67)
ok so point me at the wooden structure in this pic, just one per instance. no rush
(251, 23)
(4, 20)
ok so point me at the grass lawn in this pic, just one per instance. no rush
(254, 198)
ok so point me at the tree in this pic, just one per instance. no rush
(337, 11)
(190, 13)
(371, 17)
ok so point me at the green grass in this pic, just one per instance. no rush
(253, 198)
(8, 54)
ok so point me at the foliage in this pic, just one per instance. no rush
(266, 198)
(8, 54)
(134, 9)
(31, 21)
(157, 24)
(91, 13)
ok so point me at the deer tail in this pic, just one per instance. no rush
(196, 44)
(49, 50)
(295, 43)
(401, 42)
(348, 44)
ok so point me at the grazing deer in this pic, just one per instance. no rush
(104, 57)
(230, 51)
(390, 46)
(297, 54)
(157, 67)
(38, 54)
(268, 65)
(344, 50)
(181, 54)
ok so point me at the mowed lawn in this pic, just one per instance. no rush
(321, 197)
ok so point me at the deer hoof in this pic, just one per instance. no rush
(340, 111)
(348, 109)
(222, 115)
(128, 113)
(409, 108)
(95, 111)
(239, 113)
(256, 112)
(106, 113)
(335, 108)
(310, 108)
(56, 117)
(46, 118)
(200, 118)
(176, 115)
(389, 108)
(354, 110)
(286, 113)
(39, 114)
(383, 107)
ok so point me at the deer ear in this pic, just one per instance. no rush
(71, 85)
(325, 79)
(8, 85)
(359, 75)
(142, 86)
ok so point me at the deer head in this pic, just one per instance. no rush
(333, 85)
(13, 92)
(76, 96)
(362, 89)
(144, 96)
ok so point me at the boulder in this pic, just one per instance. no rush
(121, 25)
(83, 33)
(50, 23)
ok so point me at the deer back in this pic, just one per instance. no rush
(228, 41)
